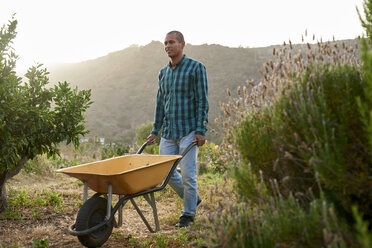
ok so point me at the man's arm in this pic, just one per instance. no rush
(159, 116)
(202, 106)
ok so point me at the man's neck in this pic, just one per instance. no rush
(174, 61)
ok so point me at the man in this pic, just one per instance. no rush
(182, 111)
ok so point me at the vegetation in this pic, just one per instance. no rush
(303, 170)
(293, 168)
(34, 119)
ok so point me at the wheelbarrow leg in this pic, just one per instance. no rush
(120, 213)
(109, 201)
(152, 203)
(151, 200)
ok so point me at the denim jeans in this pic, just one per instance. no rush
(184, 185)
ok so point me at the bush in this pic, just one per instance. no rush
(313, 127)
(281, 224)
(113, 150)
(142, 132)
(209, 158)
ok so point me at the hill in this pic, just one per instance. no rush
(124, 83)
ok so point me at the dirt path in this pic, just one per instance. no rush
(44, 222)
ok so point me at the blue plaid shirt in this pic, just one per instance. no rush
(182, 100)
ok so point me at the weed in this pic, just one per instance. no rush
(132, 241)
(181, 237)
(19, 198)
(11, 214)
(161, 240)
(78, 204)
(117, 235)
(13, 245)
(79, 183)
(38, 200)
(145, 244)
(35, 214)
(40, 243)
(54, 199)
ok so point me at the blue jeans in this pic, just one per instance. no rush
(185, 185)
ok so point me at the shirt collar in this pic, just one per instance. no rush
(184, 58)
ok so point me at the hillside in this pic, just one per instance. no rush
(124, 83)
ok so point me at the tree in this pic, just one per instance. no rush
(34, 119)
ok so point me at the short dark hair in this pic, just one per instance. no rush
(178, 34)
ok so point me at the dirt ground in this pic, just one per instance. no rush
(43, 222)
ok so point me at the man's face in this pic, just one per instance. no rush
(172, 46)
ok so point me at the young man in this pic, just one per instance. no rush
(182, 111)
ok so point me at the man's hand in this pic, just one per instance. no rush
(200, 139)
(151, 139)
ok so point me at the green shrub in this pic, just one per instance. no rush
(209, 158)
(282, 223)
(254, 141)
(313, 127)
(142, 132)
(112, 150)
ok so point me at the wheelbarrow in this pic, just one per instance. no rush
(127, 176)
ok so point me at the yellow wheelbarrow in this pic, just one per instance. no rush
(128, 176)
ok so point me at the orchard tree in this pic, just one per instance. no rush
(34, 119)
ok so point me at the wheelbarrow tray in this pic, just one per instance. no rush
(127, 174)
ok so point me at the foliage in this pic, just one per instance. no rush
(142, 132)
(34, 119)
(281, 223)
(40, 243)
(209, 158)
(29, 124)
(303, 119)
(41, 165)
(367, 22)
(314, 127)
(304, 140)
(112, 150)
(366, 54)
(361, 227)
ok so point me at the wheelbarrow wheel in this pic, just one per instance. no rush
(92, 213)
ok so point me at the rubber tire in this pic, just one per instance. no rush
(91, 214)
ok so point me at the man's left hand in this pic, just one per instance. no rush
(200, 139)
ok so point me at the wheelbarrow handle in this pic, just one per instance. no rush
(142, 148)
(189, 148)
(183, 154)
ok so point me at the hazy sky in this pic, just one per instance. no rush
(51, 31)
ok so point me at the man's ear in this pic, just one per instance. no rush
(183, 44)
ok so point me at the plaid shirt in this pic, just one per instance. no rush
(182, 100)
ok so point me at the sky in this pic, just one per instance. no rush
(65, 31)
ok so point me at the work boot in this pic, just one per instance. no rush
(185, 221)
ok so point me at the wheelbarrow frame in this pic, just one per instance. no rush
(148, 194)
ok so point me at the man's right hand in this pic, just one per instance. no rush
(151, 139)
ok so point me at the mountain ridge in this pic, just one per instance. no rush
(124, 83)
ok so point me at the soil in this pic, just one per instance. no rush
(44, 222)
